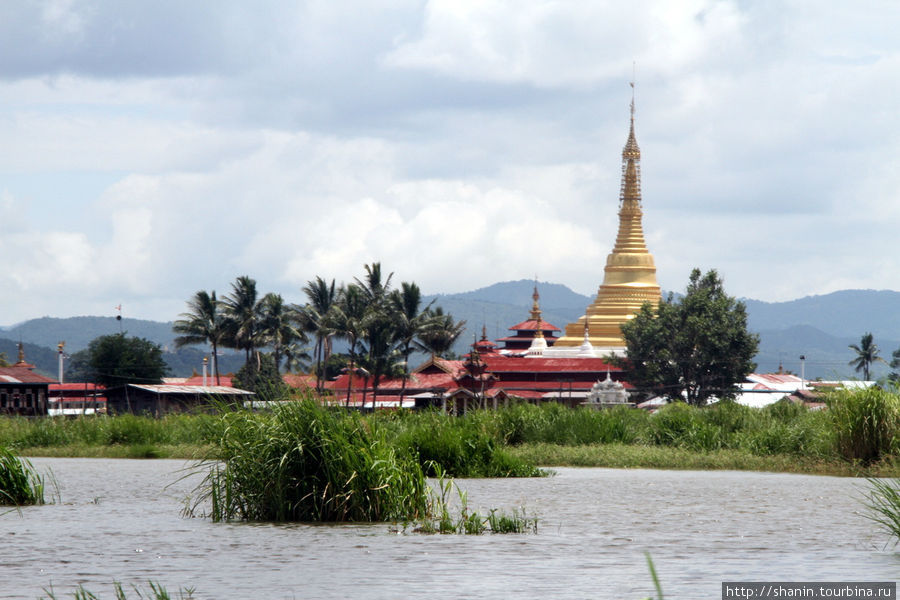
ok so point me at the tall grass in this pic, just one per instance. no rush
(884, 505)
(866, 423)
(305, 462)
(20, 484)
(467, 446)
(90, 430)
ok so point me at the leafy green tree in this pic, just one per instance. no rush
(4, 361)
(316, 318)
(693, 348)
(116, 359)
(439, 333)
(261, 376)
(204, 323)
(866, 353)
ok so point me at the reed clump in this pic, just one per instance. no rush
(866, 423)
(884, 505)
(156, 592)
(20, 484)
(305, 462)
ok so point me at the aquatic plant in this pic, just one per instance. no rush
(20, 484)
(866, 423)
(156, 592)
(306, 462)
(655, 577)
(884, 505)
(440, 515)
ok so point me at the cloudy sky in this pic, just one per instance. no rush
(152, 149)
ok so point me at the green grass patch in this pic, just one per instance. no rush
(621, 456)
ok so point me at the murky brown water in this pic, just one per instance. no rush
(119, 521)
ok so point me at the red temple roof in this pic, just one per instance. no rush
(532, 325)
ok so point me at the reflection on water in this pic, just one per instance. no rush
(120, 520)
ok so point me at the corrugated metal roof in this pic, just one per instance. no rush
(213, 390)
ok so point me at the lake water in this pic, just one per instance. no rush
(120, 520)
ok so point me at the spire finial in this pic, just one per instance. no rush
(631, 83)
(536, 306)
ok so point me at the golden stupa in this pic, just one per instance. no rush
(630, 275)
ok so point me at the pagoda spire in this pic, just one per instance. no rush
(536, 312)
(629, 278)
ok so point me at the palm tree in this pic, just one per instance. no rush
(316, 318)
(867, 353)
(378, 325)
(242, 313)
(278, 327)
(203, 323)
(349, 321)
(440, 332)
(374, 289)
(296, 357)
(409, 323)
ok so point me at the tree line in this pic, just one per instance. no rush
(381, 325)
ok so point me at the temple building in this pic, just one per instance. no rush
(629, 277)
(529, 333)
(22, 391)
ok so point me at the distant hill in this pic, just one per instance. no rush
(554, 296)
(827, 356)
(818, 327)
(846, 313)
(78, 332)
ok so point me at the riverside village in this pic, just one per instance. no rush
(350, 451)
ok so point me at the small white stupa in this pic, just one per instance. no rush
(607, 393)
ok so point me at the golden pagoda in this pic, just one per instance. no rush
(630, 275)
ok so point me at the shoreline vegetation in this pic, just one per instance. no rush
(859, 436)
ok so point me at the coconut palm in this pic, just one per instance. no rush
(296, 358)
(440, 332)
(377, 355)
(316, 318)
(203, 323)
(409, 323)
(278, 327)
(866, 354)
(374, 289)
(378, 338)
(349, 322)
(242, 316)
